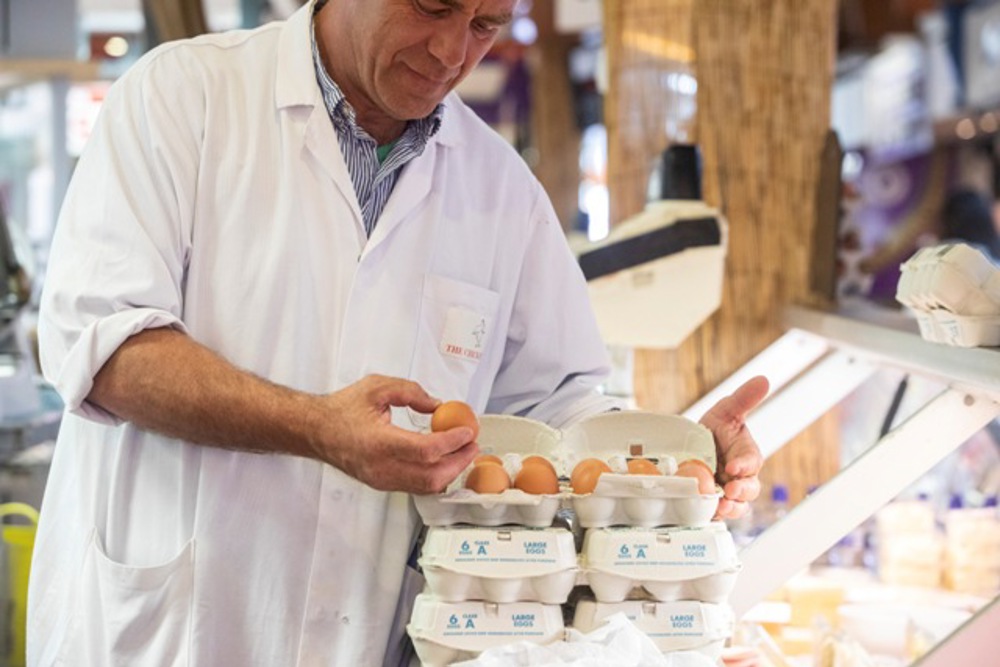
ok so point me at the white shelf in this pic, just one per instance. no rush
(821, 359)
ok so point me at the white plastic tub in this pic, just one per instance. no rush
(500, 565)
(446, 632)
(667, 564)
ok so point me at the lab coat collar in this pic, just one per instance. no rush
(296, 84)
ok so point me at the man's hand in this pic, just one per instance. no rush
(739, 457)
(361, 440)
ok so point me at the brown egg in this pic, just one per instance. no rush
(487, 478)
(537, 479)
(642, 467)
(539, 461)
(487, 458)
(585, 475)
(699, 470)
(452, 414)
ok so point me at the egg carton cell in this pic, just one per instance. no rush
(673, 626)
(446, 632)
(624, 505)
(512, 507)
(616, 588)
(547, 588)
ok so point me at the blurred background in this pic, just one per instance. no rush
(838, 138)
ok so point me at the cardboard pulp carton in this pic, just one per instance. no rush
(505, 564)
(619, 499)
(665, 563)
(954, 277)
(673, 626)
(446, 632)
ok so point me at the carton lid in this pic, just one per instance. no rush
(477, 625)
(662, 554)
(499, 552)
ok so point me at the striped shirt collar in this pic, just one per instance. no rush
(345, 118)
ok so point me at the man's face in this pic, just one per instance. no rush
(406, 55)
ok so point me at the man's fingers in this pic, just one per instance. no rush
(731, 509)
(742, 490)
(744, 458)
(435, 477)
(430, 448)
(405, 393)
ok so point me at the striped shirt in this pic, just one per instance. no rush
(373, 179)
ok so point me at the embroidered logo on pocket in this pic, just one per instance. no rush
(464, 334)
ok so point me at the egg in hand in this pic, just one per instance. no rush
(452, 414)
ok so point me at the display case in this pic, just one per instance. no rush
(822, 358)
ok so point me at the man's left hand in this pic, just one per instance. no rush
(739, 457)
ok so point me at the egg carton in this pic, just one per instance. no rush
(447, 632)
(666, 564)
(673, 626)
(500, 565)
(952, 277)
(646, 500)
(941, 326)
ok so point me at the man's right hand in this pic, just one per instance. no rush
(360, 439)
(164, 381)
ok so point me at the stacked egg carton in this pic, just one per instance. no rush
(498, 571)
(954, 291)
(650, 549)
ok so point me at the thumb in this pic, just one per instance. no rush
(736, 406)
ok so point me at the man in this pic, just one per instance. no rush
(268, 230)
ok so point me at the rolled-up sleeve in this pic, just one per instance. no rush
(121, 244)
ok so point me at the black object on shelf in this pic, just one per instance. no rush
(679, 173)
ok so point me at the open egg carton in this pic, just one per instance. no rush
(447, 632)
(664, 564)
(954, 291)
(618, 499)
(500, 564)
(685, 625)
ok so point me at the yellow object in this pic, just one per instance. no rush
(812, 597)
(19, 540)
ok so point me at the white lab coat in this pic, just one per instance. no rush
(213, 198)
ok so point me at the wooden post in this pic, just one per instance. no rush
(765, 75)
(555, 134)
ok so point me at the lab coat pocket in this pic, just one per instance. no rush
(133, 615)
(454, 332)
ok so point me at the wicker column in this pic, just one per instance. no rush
(765, 74)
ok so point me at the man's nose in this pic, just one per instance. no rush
(449, 42)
